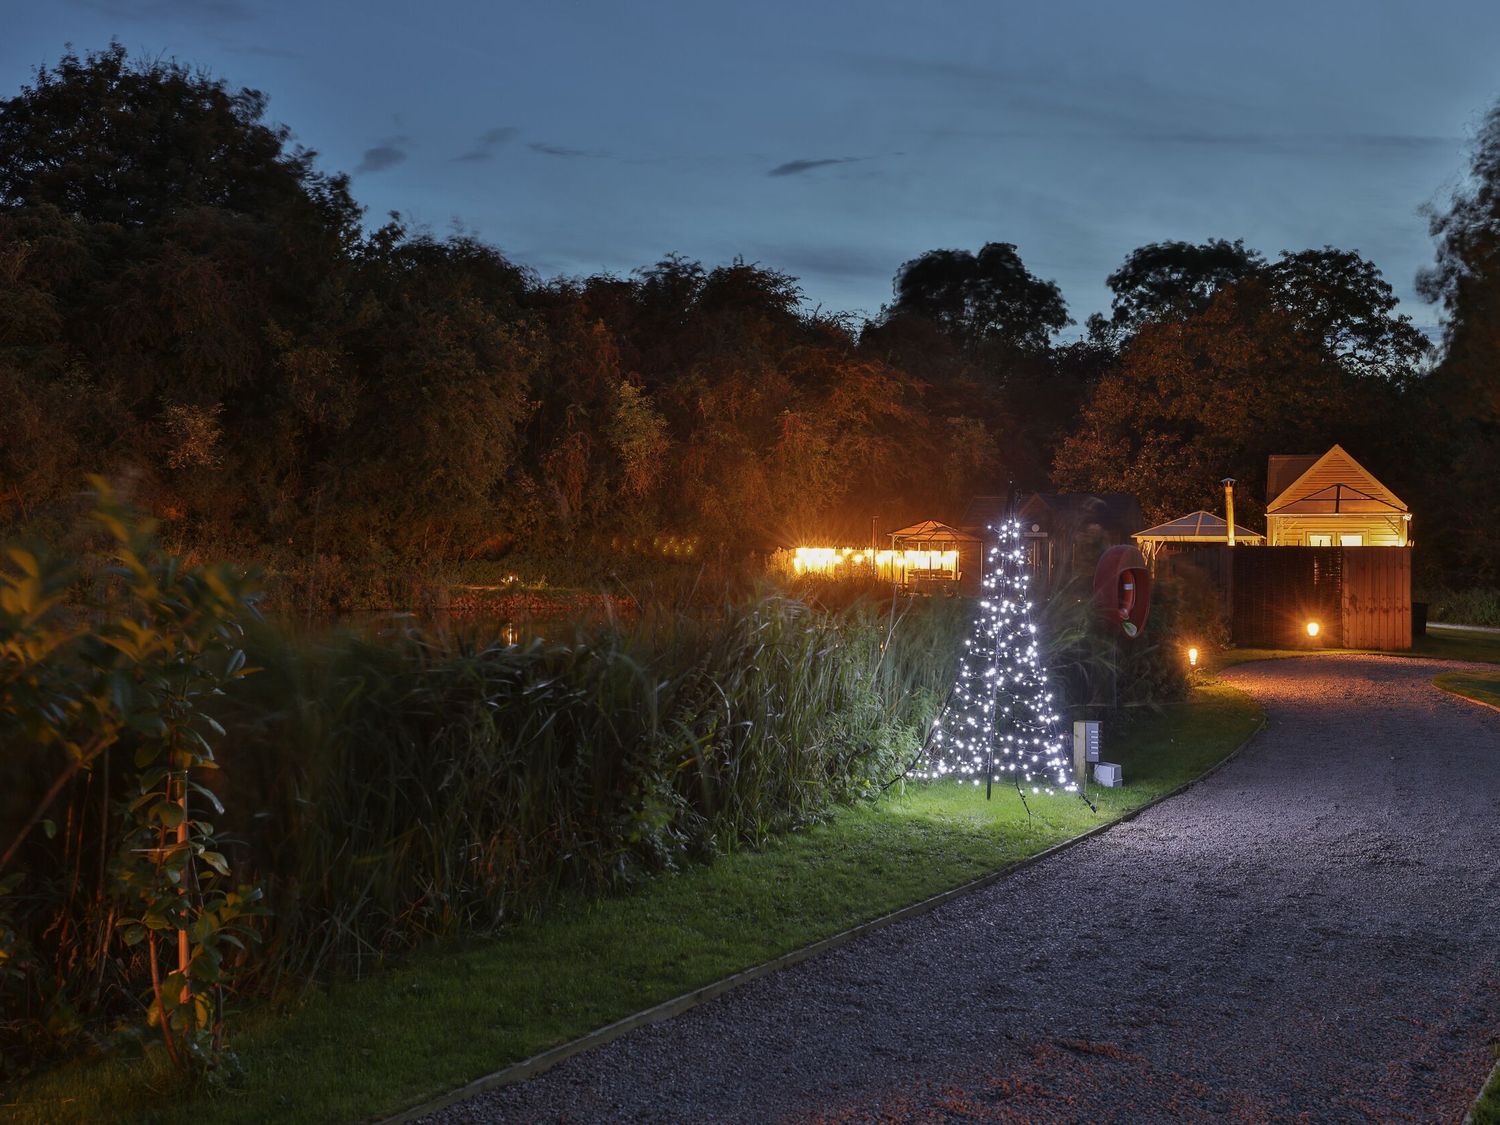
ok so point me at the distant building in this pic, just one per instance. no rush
(1064, 532)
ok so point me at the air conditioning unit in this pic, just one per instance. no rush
(1108, 774)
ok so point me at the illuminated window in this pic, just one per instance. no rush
(1351, 540)
(1320, 540)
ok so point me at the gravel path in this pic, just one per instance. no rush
(1311, 934)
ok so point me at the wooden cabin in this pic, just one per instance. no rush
(1064, 532)
(1331, 501)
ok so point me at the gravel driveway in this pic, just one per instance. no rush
(1310, 934)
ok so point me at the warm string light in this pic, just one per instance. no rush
(1001, 720)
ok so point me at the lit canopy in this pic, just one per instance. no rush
(1195, 527)
(930, 533)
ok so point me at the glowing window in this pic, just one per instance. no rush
(1351, 540)
(1320, 540)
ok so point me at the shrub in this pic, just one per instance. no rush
(1474, 606)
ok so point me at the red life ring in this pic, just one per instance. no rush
(1122, 590)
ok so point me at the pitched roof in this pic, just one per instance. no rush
(1284, 468)
(930, 531)
(1119, 511)
(1200, 526)
(1335, 483)
(983, 511)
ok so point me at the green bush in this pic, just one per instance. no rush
(1098, 671)
(1474, 606)
(115, 885)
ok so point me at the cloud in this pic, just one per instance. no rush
(559, 150)
(387, 154)
(489, 141)
(797, 167)
(829, 260)
(261, 51)
(149, 11)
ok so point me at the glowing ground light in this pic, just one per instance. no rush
(1192, 658)
(1313, 628)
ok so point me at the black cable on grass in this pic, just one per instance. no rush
(922, 752)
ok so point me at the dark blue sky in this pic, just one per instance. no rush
(836, 140)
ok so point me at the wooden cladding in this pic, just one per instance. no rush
(1360, 597)
(1276, 591)
(1377, 598)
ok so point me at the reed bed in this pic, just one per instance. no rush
(386, 789)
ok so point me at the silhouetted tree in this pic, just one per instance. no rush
(989, 296)
(1341, 299)
(107, 140)
(1463, 401)
(1170, 279)
(1211, 395)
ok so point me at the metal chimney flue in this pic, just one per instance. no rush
(1228, 483)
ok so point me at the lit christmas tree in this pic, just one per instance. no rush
(1000, 720)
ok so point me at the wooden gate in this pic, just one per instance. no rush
(1377, 597)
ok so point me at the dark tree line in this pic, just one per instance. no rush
(189, 305)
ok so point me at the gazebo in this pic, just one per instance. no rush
(930, 554)
(1196, 529)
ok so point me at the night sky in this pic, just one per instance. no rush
(835, 141)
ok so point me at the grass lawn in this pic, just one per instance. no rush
(457, 1011)
(1487, 1108)
(1482, 687)
(1438, 644)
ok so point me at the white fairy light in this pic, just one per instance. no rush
(1001, 721)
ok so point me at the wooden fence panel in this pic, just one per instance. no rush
(1210, 565)
(1377, 597)
(1278, 590)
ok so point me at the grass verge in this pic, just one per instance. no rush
(1438, 644)
(1482, 687)
(456, 1011)
(1486, 1110)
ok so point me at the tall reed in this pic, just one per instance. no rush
(388, 788)
(406, 786)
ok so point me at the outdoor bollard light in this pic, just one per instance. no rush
(1312, 628)
(1192, 658)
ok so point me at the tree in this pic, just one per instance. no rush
(1463, 400)
(1212, 395)
(1170, 279)
(447, 364)
(989, 296)
(106, 140)
(1333, 295)
(1340, 298)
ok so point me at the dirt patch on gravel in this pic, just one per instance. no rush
(1309, 934)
